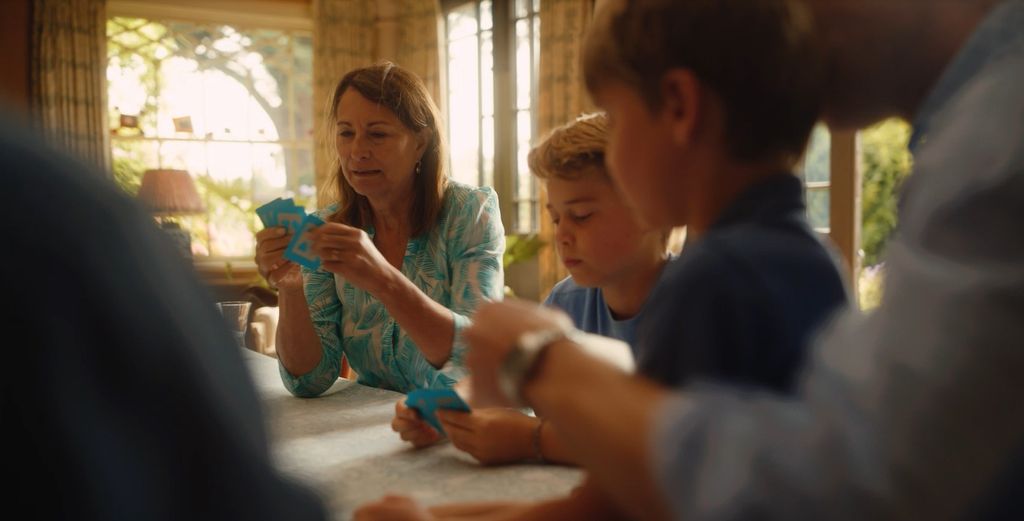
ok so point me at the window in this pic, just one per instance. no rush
(493, 52)
(231, 105)
(885, 163)
(816, 174)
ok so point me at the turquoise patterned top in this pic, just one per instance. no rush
(457, 264)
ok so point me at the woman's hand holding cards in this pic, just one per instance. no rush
(350, 252)
(270, 246)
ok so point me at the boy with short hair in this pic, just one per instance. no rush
(614, 262)
(614, 265)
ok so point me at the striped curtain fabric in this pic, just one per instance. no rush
(562, 97)
(351, 33)
(69, 90)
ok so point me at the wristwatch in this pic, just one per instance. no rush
(518, 364)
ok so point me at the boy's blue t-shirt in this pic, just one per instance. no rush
(590, 313)
(742, 302)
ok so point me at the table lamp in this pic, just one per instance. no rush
(170, 193)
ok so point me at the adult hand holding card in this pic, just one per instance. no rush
(282, 212)
(300, 250)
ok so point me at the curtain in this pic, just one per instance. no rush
(562, 96)
(343, 39)
(69, 88)
(355, 33)
(418, 34)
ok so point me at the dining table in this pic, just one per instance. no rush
(341, 444)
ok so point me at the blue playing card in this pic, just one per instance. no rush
(428, 401)
(291, 217)
(300, 249)
(271, 212)
(267, 213)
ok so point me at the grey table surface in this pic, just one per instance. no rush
(342, 445)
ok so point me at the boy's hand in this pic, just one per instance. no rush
(496, 328)
(493, 436)
(393, 508)
(408, 424)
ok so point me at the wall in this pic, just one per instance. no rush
(15, 40)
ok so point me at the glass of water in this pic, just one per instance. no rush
(236, 314)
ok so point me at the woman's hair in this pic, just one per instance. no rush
(758, 56)
(405, 95)
(572, 150)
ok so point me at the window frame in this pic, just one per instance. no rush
(505, 175)
(286, 17)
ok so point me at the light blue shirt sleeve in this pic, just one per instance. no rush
(912, 412)
(476, 269)
(325, 313)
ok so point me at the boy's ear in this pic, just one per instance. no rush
(681, 93)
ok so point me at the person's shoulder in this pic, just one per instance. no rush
(469, 210)
(755, 243)
(570, 297)
(459, 195)
(566, 291)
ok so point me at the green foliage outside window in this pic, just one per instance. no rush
(885, 165)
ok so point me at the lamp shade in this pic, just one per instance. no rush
(170, 192)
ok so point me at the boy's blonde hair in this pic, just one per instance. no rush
(573, 150)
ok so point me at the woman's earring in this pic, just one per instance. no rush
(418, 167)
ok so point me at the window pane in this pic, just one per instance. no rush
(269, 176)
(525, 184)
(229, 162)
(816, 167)
(183, 155)
(524, 54)
(815, 170)
(132, 157)
(485, 15)
(487, 136)
(522, 7)
(818, 208)
(226, 107)
(464, 108)
(230, 226)
(885, 164)
(524, 213)
(462, 22)
(487, 73)
(301, 180)
(302, 87)
(524, 121)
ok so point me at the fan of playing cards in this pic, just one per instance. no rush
(284, 212)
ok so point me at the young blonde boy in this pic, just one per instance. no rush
(614, 263)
